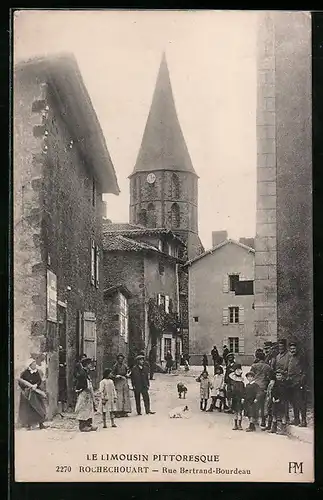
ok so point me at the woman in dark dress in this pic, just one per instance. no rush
(169, 362)
(32, 410)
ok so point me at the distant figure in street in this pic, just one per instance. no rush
(225, 353)
(152, 361)
(238, 396)
(169, 362)
(251, 401)
(182, 390)
(205, 362)
(279, 404)
(108, 398)
(186, 360)
(32, 409)
(215, 357)
(217, 391)
(120, 374)
(205, 387)
(140, 384)
(228, 386)
(263, 375)
(85, 405)
(296, 385)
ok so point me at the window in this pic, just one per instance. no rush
(89, 339)
(196, 319)
(167, 346)
(93, 192)
(163, 300)
(233, 344)
(97, 267)
(234, 314)
(233, 281)
(124, 316)
(175, 187)
(167, 304)
(244, 287)
(151, 216)
(160, 245)
(93, 262)
(142, 218)
(134, 189)
(175, 215)
(161, 268)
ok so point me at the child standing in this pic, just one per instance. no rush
(217, 391)
(279, 404)
(108, 398)
(205, 387)
(237, 395)
(252, 391)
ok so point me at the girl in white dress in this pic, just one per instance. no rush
(108, 398)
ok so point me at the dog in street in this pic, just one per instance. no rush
(182, 390)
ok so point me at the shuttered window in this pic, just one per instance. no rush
(225, 316)
(234, 344)
(167, 304)
(241, 345)
(234, 314)
(89, 339)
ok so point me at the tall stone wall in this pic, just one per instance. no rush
(283, 266)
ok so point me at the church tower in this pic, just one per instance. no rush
(164, 184)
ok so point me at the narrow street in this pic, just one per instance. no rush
(267, 456)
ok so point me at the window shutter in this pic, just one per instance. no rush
(167, 304)
(226, 283)
(97, 267)
(225, 316)
(241, 345)
(241, 315)
(159, 299)
(92, 262)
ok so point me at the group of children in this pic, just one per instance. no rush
(231, 393)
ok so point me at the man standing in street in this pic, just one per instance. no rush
(152, 362)
(140, 384)
(296, 385)
(269, 357)
(215, 357)
(281, 360)
(263, 374)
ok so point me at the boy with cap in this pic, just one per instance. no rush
(237, 394)
(279, 404)
(251, 401)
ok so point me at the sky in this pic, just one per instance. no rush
(211, 57)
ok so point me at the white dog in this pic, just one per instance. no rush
(179, 412)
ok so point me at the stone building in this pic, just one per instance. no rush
(283, 259)
(146, 261)
(61, 168)
(221, 301)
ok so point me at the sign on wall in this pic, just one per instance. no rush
(51, 296)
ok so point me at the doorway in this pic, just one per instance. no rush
(62, 359)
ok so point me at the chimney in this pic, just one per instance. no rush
(218, 237)
(249, 242)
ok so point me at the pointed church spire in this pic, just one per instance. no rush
(163, 145)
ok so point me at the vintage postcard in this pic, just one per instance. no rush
(162, 246)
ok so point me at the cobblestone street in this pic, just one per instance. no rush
(201, 433)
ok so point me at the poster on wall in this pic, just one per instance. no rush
(51, 296)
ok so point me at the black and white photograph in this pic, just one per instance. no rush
(162, 246)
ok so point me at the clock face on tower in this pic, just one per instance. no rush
(151, 178)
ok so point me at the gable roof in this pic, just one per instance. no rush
(62, 73)
(163, 146)
(134, 230)
(220, 245)
(122, 244)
